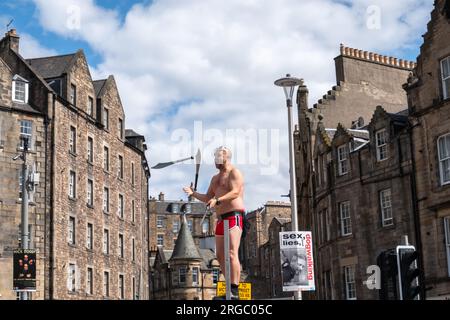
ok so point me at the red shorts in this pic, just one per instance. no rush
(234, 221)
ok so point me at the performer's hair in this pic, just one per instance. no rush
(223, 148)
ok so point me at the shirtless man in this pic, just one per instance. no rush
(225, 193)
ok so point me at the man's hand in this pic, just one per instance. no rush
(212, 203)
(188, 190)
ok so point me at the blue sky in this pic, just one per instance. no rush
(178, 63)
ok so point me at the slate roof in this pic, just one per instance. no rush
(51, 67)
(185, 248)
(98, 86)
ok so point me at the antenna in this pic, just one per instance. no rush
(10, 23)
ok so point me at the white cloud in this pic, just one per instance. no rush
(31, 48)
(177, 62)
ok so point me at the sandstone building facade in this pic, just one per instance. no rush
(90, 214)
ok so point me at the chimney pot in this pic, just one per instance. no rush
(161, 196)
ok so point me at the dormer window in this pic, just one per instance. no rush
(20, 89)
(342, 160)
(445, 70)
(381, 144)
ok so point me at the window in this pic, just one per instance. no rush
(106, 284)
(73, 140)
(133, 250)
(105, 200)
(106, 241)
(90, 281)
(175, 226)
(72, 277)
(205, 226)
(381, 142)
(90, 193)
(349, 277)
(343, 160)
(106, 118)
(106, 158)
(386, 207)
(447, 241)
(195, 273)
(182, 275)
(444, 158)
(73, 95)
(90, 150)
(90, 236)
(133, 215)
(72, 230)
(159, 221)
(72, 184)
(215, 276)
(445, 70)
(121, 253)
(132, 173)
(120, 208)
(120, 128)
(346, 223)
(26, 132)
(120, 167)
(133, 284)
(160, 240)
(90, 109)
(190, 224)
(20, 89)
(121, 287)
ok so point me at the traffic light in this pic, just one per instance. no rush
(387, 261)
(409, 273)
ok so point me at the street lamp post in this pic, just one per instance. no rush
(288, 84)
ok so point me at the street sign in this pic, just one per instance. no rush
(297, 264)
(24, 270)
(245, 290)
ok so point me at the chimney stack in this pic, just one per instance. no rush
(11, 39)
(161, 196)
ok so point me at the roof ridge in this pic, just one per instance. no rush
(56, 56)
(376, 57)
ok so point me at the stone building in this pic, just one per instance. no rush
(165, 223)
(24, 101)
(363, 202)
(365, 80)
(253, 262)
(428, 92)
(184, 272)
(272, 286)
(91, 204)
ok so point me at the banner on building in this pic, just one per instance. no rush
(297, 264)
(245, 290)
(24, 270)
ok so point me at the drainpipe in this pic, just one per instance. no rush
(415, 203)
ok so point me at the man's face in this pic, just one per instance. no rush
(220, 159)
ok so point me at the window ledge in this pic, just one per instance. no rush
(106, 172)
(72, 198)
(90, 163)
(106, 212)
(71, 245)
(90, 250)
(73, 153)
(90, 206)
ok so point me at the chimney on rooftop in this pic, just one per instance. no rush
(161, 196)
(11, 40)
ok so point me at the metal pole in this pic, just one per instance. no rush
(24, 211)
(293, 180)
(227, 258)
